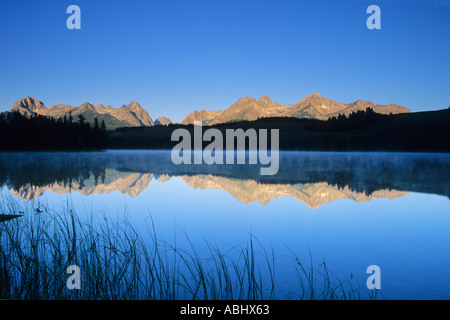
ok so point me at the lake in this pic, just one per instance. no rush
(351, 210)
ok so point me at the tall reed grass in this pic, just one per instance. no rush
(117, 263)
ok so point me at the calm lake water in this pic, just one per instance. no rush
(352, 210)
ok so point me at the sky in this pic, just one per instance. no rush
(174, 57)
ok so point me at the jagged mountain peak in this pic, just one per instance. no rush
(132, 114)
(133, 105)
(315, 94)
(87, 106)
(246, 99)
(29, 105)
(265, 98)
(31, 100)
(163, 121)
(135, 114)
(315, 97)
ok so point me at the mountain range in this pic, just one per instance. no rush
(313, 106)
(246, 191)
(130, 115)
(133, 114)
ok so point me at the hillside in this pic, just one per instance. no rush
(130, 115)
(313, 106)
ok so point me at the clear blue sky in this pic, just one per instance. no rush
(174, 57)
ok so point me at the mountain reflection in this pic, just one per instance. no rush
(312, 178)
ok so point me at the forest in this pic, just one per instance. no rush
(363, 130)
(40, 133)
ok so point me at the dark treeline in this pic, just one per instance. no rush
(360, 131)
(18, 170)
(354, 121)
(37, 132)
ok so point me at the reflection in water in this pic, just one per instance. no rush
(312, 178)
(130, 183)
(407, 237)
(313, 195)
(247, 191)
